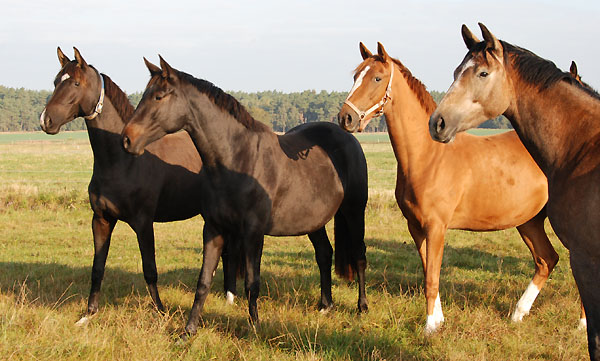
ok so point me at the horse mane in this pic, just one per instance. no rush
(414, 84)
(225, 101)
(118, 98)
(535, 70)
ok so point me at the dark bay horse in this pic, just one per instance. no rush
(494, 181)
(160, 186)
(258, 183)
(558, 121)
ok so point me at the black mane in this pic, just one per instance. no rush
(224, 101)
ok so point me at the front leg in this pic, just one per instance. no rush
(145, 236)
(253, 247)
(102, 230)
(213, 247)
(435, 250)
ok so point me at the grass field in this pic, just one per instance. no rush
(46, 255)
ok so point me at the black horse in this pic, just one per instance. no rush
(257, 182)
(160, 186)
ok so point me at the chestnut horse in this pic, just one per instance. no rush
(161, 186)
(558, 121)
(258, 183)
(495, 183)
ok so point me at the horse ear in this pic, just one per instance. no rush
(491, 43)
(469, 38)
(62, 58)
(381, 52)
(80, 61)
(154, 70)
(364, 52)
(573, 70)
(167, 70)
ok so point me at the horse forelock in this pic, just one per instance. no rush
(224, 101)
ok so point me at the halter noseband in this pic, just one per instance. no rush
(387, 96)
(100, 104)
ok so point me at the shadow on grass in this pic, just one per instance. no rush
(392, 266)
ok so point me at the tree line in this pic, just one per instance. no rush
(20, 109)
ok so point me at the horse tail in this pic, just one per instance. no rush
(345, 260)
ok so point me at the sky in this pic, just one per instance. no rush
(287, 46)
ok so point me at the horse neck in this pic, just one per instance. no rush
(556, 125)
(221, 140)
(104, 133)
(407, 123)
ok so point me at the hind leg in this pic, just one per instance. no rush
(586, 268)
(323, 255)
(102, 230)
(545, 258)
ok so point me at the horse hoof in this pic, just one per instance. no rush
(364, 308)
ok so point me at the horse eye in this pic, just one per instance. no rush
(158, 97)
(377, 78)
(76, 83)
(483, 74)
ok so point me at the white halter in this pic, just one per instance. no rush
(98, 108)
(387, 96)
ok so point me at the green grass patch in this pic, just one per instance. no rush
(46, 254)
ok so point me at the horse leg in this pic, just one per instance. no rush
(323, 255)
(101, 229)
(230, 267)
(253, 247)
(582, 319)
(145, 236)
(419, 238)
(544, 257)
(213, 247)
(435, 250)
(586, 268)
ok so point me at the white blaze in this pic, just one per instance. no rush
(64, 77)
(358, 82)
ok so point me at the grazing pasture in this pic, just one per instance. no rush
(45, 259)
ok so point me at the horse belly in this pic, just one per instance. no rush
(502, 197)
(307, 211)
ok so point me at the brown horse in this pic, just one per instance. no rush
(512, 193)
(558, 121)
(161, 186)
(257, 182)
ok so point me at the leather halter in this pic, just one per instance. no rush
(100, 104)
(387, 96)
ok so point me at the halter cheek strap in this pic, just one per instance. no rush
(387, 96)
(100, 104)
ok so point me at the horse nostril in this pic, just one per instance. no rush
(441, 124)
(126, 142)
(348, 120)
